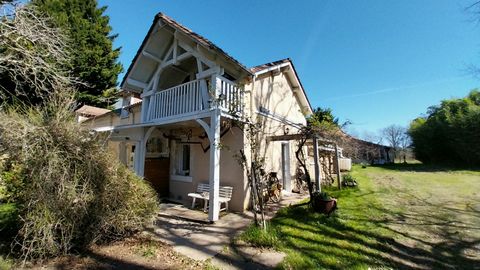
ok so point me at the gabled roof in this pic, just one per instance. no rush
(207, 44)
(188, 32)
(115, 111)
(91, 110)
(287, 62)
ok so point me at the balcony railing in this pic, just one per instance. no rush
(231, 97)
(191, 98)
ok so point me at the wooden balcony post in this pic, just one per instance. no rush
(139, 158)
(145, 105)
(215, 91)
(338, 168)
(214, 180)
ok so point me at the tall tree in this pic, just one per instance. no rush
(95, 61)
(450, 133)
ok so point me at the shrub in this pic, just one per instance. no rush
(11, 181)
(260, 237)
(348, 180)
(321, 196)
(73, 191)
(69, 192)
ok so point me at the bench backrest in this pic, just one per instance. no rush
(224, 192)
(203, 188)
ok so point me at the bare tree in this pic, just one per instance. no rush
(69, 191)
(393, 135)
(405, 142)
(33, 55)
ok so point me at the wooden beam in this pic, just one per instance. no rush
(151, 56)
(170, 50)
(289, 137)
(338, 167)
(196, 53)
(136, 83)
(147, 94)
(316, 165)
(209, 72)
(175, 50)
(199, 65)
(292, 137)
(183, 56)
(179, 59)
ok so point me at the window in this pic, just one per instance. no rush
(182, 163)
(186, 158)
(155, 147)
(130, 148)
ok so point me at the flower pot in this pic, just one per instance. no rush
(324, 206)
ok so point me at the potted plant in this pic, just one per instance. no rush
(323, 203)
(349, 181)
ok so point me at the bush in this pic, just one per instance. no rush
(69, 192)
(449, 134)
(73, 191)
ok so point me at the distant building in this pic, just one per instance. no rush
(361, 151)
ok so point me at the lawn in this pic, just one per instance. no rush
(402, 216)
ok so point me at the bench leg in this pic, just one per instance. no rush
(205, 205)
(193, 202)
(226, 206)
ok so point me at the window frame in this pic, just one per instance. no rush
(177, 163)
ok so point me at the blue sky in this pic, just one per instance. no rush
(374, 63)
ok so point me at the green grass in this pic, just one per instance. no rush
(8, 218)
(399, 217)
(8, 227)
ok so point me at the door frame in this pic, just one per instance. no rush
(285, 166)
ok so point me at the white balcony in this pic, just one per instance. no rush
(192, 98)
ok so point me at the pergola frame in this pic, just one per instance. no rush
(315, 140)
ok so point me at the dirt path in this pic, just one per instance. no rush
(436, 214)
(134, 253)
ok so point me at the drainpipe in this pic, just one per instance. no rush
(251, 109)
(251, 94)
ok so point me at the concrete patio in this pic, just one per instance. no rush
(189, 232)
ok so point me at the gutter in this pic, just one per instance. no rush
(263, 71)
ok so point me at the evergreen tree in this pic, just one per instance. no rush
(323, 116)
(94, 59)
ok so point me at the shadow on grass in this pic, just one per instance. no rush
(362, 235)
(420, 167)
(354, 246)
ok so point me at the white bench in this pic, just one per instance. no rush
(203, 192)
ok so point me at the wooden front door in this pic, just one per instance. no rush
(157, 172)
